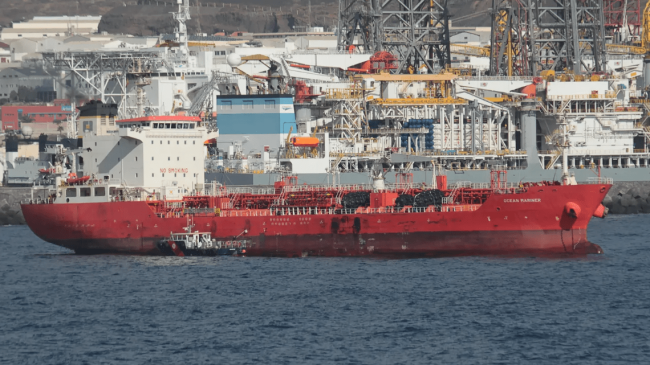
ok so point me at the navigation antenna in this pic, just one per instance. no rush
(198, 16)
(182, 17)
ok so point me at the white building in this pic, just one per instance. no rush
(52, 26)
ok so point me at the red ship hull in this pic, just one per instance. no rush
(534, 222)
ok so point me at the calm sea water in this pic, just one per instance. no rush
(59, 308)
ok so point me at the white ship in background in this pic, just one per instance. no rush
(335, 116)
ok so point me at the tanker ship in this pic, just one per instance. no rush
(142, 182)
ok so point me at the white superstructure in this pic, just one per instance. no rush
(150, 152)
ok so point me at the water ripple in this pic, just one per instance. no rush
(59, 308)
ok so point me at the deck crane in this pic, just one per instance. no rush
(203, 99)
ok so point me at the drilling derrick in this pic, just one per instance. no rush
(510, 40)
(414, 31)
(359, 22)
(622, 18)
(417, 32)
(568, 30)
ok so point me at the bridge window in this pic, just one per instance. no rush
(269, 104)
(186, 126)
(84, 192)
(100, 191)
(248, 104)
(226, 105)
(71, 193)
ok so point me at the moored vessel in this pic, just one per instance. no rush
(146, 185)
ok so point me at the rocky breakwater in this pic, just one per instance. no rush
(10, 199)
(628, 198)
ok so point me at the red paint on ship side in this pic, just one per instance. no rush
(535, 221)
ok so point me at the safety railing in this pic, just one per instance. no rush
(599, 180)
(606, 95)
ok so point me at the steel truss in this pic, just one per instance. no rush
(530, 36)
(623, 13)
(567, 29)
(107, 73)
(415, 31)
(510, 41)
(359, 22)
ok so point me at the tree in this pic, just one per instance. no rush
(25, 118)
(27, 94)
(60, 129)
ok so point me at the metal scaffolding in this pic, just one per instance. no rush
(472, 126)
(567, 30)
(107, 74)
(415, 31)
(622, 16)
(530, 36)
(359, 22)
(348, 113)
(510, 47)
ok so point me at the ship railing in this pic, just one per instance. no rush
(461, 184)
(496, 78)
(299, 211)
(600, 180)
(606, 95)
(196, 211)
(246, 213)
(480, 185)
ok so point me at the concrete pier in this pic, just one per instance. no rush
(628, 198)
(10, 199)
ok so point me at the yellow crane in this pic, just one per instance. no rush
(645, 28)
(289, 146)
(467, 50)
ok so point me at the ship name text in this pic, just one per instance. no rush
(522, 200)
